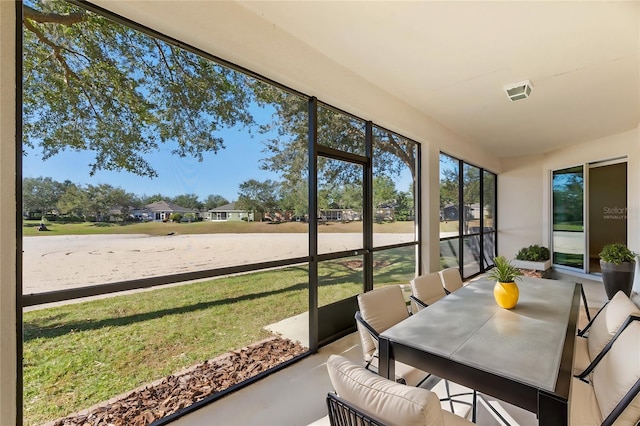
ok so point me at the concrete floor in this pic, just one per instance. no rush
(296, 395)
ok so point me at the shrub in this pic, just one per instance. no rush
(617, 253)
(534, 253)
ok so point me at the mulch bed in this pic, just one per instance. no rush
(173, 393)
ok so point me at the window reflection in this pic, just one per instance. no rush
(568, 217)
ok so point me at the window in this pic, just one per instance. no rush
(467, 216)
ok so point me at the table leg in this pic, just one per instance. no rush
(386, 365)
(552, 410)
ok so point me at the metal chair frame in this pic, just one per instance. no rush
(635, 389)
(342, 413)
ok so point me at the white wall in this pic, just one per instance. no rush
(524, 190)
(8, 360)
(520, 205)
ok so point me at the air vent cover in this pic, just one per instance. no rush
(517, 91)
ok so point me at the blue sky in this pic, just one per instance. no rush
(220, 173)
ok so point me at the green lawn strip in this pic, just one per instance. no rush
(30, 228)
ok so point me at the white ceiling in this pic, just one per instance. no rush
(451, 60)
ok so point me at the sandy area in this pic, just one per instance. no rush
(63, 262)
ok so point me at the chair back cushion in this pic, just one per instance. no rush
(381, 308)
(392, 403)
(607, 323)
(428, 288)
(451, 279)
(617, 372)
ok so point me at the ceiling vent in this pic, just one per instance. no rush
(517, 91)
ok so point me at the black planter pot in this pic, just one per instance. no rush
(617, 277)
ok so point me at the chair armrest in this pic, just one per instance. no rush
(582, 332)
(342, 413)
(418, 302)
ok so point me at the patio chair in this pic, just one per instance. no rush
(608, 391)
(425, 290)
(363, 398)
(380, 309)
(451, 279)
(600, 330)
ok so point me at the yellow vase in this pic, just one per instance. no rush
(506, 294)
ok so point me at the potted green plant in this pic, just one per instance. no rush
(533, 257)
(617, 264)
(506, 290)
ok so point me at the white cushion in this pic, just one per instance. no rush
(451, 279)
(428, 288)
(392, 403)
(609, 321)
(451, 419)
(380, 308)
(583, 406)
(617, 372)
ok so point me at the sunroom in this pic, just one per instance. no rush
(556, 164)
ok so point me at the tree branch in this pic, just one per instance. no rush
(56, 50)
(55, 18)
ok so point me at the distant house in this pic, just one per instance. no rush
(162, 211)
(229, 212)
(339, 215)
(450, 212)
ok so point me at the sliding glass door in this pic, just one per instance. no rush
(589, 211)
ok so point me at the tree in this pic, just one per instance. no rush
(214, 200)
(123, 201)
(295, 198)
(94, 85)
(149, 199)
(258, 196)
(73, 201)
(99, 200)
(189, 201)
(404, 209)
(288, 148)
(384, 191)
(40, 194)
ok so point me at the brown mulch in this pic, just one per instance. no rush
(173, 393)
(356, 265)
(531, 273)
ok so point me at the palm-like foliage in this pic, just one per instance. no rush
(504, 271)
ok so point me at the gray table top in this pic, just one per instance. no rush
(523, 344)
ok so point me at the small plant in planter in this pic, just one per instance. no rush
(533, 259)
(617, 263)
(506, 290)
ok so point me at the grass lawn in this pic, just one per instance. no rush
(81, 354)
(30, 228)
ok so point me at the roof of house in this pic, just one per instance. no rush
(165, 206)
(228, 207)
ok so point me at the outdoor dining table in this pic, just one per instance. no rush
(522, 355)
